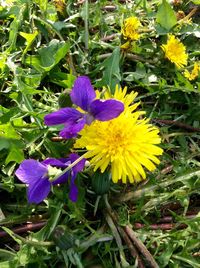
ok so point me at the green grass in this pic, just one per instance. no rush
(151, 224)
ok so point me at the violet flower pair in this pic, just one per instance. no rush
(83, 95)
(37, 174)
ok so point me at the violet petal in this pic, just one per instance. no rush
(62, 179)
(56, 162)
(62, 116)
(104, 110)
(71, 130)
(73, 193)
(82, 93)
(30, 171)
(38, 191)
(79, 166)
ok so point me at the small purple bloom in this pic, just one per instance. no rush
(35, 174)
(83, 95)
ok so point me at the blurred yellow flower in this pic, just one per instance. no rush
(175, 51)
(126, 46)
(60, 6)
(126, 144)
(194, 74)
(130, 28)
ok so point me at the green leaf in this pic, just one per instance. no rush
(30, 37)
(166, 16)
(49, 56)
(4, 144)
(42, 4)
(111, 75)
(12, 234)
(3, 58)
(15, 154)
(14, 27)
(7, 131)
(187, 259)
(6, 255)
(196, 2)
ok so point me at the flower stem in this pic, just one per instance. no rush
(69, 167)
(86, 25)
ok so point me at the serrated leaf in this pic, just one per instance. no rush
(186, 258)
(166, 16)
(30, 37)
(15, 154)
(7, 131)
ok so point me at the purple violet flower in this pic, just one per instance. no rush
(83, 95)
(36, 175)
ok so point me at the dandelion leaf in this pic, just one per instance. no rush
(166, 16)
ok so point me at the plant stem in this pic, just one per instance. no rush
(69, 167)
(86, 25)
(27, 241)
(118, 239)
(109, 218)
(25, 228)
(30, 108)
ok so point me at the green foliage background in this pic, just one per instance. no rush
(45, 45)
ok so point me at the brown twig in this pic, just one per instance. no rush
(129, 56)
(176, 123)
(161, 226)
(109, 37)
(25, 228)
(166, 170)
(109, 8)
(134, 57)
(168, 219)
(141, 247)
(58, 139)
(192, 12)
(196, 254)
(132, 249)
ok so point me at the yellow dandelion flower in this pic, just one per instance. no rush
(194, 74)
(130, 28)
(175, 51)
(126, 46)
(60, 6)
(126, 144)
